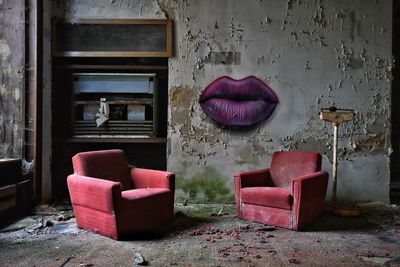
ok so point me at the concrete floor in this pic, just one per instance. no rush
(208, 235)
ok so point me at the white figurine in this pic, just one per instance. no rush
(103, 114)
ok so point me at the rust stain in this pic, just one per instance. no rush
(372, 144)
(179, 94)
(182, 101)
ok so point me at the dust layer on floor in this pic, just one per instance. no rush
(206, 235)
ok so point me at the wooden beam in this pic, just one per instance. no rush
(8, 197)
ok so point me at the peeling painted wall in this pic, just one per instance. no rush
(313, 54)
(12, 43)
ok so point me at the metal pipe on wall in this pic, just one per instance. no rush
(33, 91)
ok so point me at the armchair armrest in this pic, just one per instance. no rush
(310, 187)
(309, 193)
(94, 193)
(251, 178)
(146, 178)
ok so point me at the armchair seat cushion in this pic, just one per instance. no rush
(267, 196)
(145, 199)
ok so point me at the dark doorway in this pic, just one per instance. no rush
(395, 137)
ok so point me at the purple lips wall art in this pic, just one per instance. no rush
(243, 102)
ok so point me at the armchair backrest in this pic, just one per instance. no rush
(287, 165)
(105, 164)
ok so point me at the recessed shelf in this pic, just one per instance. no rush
(143, 101)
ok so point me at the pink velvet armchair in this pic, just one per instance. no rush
(114, 200)
(289, 194)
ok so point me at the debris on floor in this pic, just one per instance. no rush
(45, 218)
(50, 237)
(66, 261)
(294, 261)
(139, 259)
(21, 224)
(212, 234)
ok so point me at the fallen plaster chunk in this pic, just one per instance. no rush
(139, 259)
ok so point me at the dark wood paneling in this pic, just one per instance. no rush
(10, 172)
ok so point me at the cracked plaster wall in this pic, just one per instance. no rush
(313, 53)
(11, 78)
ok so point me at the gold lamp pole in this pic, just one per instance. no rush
(336, 117)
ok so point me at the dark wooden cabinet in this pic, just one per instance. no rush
(133, 84)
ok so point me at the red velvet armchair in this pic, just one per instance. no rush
(114, 200)
(289, 194)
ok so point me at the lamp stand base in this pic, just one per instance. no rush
(344, 209)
